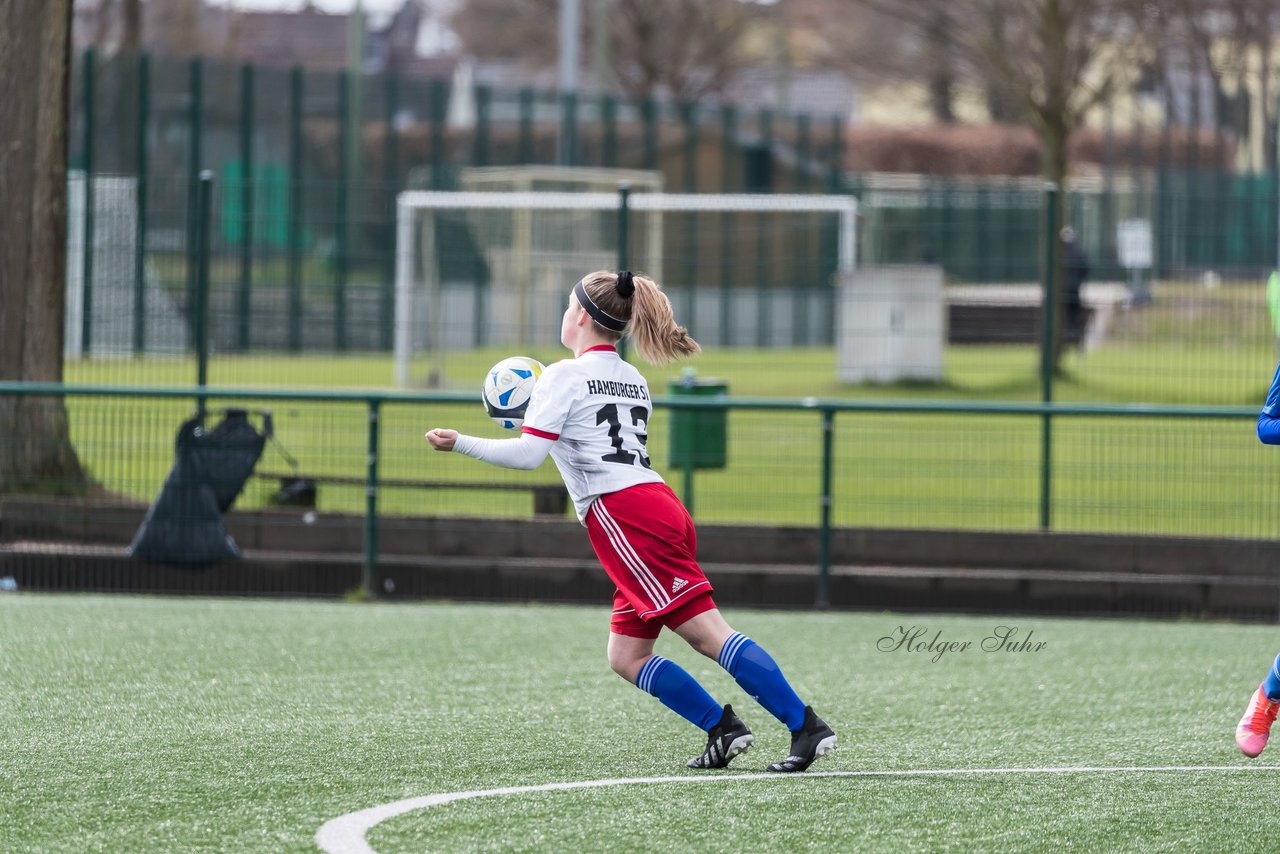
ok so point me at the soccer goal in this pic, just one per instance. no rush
(482, 269)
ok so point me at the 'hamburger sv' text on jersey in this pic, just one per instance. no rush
(597, 409)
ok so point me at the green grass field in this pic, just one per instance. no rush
(1207, 477)
(158, 724)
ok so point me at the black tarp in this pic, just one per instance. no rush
(184, 525)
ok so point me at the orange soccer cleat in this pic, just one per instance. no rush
(1255, 727)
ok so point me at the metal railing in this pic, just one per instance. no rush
(825, 413)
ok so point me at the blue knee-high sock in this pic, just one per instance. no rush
(1271, 685)
(679, 692)
(759, 675)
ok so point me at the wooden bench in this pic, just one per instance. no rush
(549, 499)
(1010, 314)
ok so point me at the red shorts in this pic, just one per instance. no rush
(646, 542)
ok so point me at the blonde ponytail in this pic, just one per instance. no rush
(651, 323)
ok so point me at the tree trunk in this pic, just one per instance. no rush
(35, 47)
(941, 72)
(102, 24)
(1004, 103)
(131, 29)
(1054, 138)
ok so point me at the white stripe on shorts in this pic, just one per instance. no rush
(637, 566)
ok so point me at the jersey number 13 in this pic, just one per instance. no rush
(609, 415)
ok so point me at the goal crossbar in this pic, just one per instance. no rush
(686, 202)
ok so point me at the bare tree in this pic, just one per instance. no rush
(929, 42)
(882, 41)
(104, 15)
(1261, 19)
(177, 24)
(1216, 42)
(1058, 59)
(35, 53)
(1042, 63)
(117, 25)
(131, 26)
(1002, 101)
(682, 49)
(520, 30)
(941, 68)
(686, 49)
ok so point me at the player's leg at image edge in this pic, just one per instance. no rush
(1255, 727)
(758, 674)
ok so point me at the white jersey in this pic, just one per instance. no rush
(596, 408)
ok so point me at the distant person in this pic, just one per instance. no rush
(1075, 269)
(1255, 727)
(591, 413)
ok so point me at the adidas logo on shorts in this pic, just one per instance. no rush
(677, 585)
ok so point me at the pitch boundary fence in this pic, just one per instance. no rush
(824, 411)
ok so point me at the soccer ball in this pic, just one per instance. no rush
(507, 389)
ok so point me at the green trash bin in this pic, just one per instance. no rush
(699, 437)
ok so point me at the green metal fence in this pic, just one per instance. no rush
(756, 288)
(824, 464)
(316, 159)
(308, 165)
(284, 264)
(301, 240)
(984, 230)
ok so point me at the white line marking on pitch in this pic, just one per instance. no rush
(345, 834)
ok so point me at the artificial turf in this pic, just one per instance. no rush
(168, 724)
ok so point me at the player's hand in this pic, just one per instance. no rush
(442, 439)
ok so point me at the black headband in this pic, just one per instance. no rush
(598, 314)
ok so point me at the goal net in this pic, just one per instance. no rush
(493, 269)
(115, 312)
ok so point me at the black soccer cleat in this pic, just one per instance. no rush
(725, 740)
(812, 740)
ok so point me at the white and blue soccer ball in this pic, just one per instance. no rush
(507, 389)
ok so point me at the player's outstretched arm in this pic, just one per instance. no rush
(527, 452)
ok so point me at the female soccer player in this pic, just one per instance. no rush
(1255, 727)
(591, 414)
